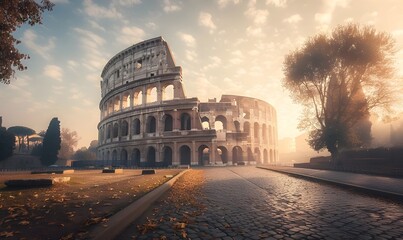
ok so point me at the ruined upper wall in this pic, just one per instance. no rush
(140, 61)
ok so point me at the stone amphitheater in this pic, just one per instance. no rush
(147, 121)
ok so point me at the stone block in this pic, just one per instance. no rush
(148, 171)
(29, 183)
(69, 171)
(112, 170)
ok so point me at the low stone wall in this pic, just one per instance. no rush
(390, 165)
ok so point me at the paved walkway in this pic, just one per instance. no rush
(252, 203)
(383, 185)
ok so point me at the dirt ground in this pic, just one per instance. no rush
(175, 209)
(68, 210)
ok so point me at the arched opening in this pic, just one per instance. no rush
(275, 156)
(205, 123)
(250, 155)
(136, 126)
(271, 156)
(126, 100)
(168, 123)
(150, 157)
(110, 107)
(125, 128)
(185, 155)
(265, 156)
(167, 157)
(168, 93)
(237, 153)
(115, 130)
(114, 158)
(116, 104)
(123, 158)
(185, 121)
(264, 133)
(107, 157)
(204, 155)
(256, 131)
(136, 157)
(270, 135)
(152, 95)
(223, 153)
(220, 123)
(246, 127)
(151, 124)
(257, 156)
(109, 131)
(138, 98)
(237, 126)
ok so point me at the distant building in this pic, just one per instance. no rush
(147, 121)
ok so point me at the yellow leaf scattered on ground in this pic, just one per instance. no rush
(24, 223)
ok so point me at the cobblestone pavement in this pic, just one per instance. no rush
(251, 203)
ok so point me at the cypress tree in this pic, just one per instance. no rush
(51, 143)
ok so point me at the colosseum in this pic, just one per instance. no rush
(147, 120)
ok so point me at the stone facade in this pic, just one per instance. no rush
(147, 121)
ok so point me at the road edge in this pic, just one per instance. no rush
(378, 192)
(119, 221)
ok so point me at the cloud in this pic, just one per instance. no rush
(170, 6)
(325, 16)
(92, 45)
(206, 20)
(60, 1)
(214, 62)
(252, 31)
(95, 25)
(30, 41)
(296, 18)
(131, 35)
(54, 72)
(188, 39)
(277, 3)
(190, 55)
(97, 11)
(258, 16)
(126, 2)
(151, 25)
(224, 3)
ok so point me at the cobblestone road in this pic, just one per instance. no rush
(251, 203)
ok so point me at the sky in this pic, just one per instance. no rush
(224, 47)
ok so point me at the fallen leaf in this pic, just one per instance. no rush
(24, 223)
(6, 234)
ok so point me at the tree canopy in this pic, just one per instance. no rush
(51, 143)
(69, 142)
(7, 143)
(22, 133)
(339, 78)
(14, 13)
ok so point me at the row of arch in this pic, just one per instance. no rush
(124, 158)
(122, 130)
(137, 97)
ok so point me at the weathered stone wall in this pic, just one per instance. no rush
(146, 119)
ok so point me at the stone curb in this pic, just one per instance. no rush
(119, 221)
(379, 192)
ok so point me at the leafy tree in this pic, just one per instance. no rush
(340, 78)
(69, 142)
(13, 13)
(22, 133)
(7, 143)
(84, 154)
(51, 143)
(37, 150)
